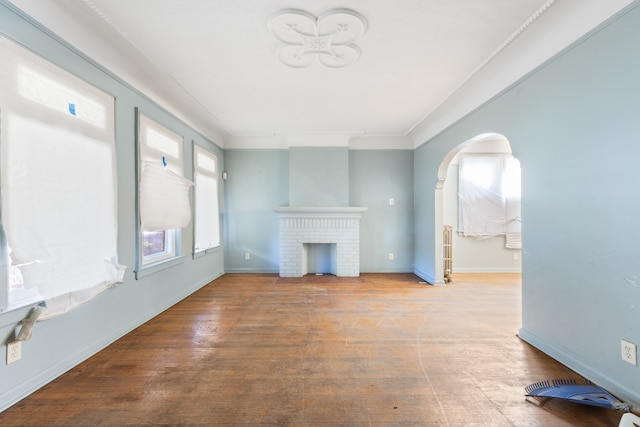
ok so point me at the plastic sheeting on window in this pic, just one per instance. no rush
(164, 198)
(163, 190)
(58, 181)
(207, 221)
(489, 197)
(512, 188)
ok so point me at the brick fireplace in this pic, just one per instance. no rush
(303, 226)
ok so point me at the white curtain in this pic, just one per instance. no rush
(58, 181)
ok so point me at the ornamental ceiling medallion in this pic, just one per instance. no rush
(327, 39)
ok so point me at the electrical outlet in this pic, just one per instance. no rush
(392, 201)
(516, 256)
(628, 350)
(247, 256)
(391, 256)
(14, 351)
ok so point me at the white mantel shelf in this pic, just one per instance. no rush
(296, 211)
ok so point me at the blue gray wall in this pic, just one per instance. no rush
(574, 126)
(319, 176)
(259, 180)
(375, 177)
(59, 344)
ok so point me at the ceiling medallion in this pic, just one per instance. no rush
(327, 39)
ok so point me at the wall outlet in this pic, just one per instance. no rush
(14, 351)
(516, 256)
(392, 256)
(628, 350)
(247, 256)
(392, 201)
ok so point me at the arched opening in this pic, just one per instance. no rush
(495, 249)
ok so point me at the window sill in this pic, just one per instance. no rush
(157, 267)
(15, 315)
(208, 251)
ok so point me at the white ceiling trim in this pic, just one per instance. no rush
(157, 67)
(353, 142)
(569, 21)
(484, 63)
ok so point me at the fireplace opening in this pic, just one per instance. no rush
(335, 231)
(320, 258)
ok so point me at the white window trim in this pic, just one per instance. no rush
(150, 264)
(172, 236)
(197, 168)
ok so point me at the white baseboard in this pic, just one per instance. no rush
(595, 376)
(486, 270)
(251, 270)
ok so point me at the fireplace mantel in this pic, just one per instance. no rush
(327, 211)
(302, 225)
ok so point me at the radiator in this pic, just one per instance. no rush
(447, 243)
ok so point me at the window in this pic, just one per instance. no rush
(159, 245)
(58, 185)
(163, 193)
(207, 221)
(489, 197)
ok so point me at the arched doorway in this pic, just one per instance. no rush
(500, 254)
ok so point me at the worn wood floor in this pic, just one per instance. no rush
(379, 350)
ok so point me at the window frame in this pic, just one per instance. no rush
(169, 247)
(150, 264)
(216, 203)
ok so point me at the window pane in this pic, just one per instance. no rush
(170, 147)
(154, 242)
(207, 227)
(512, 180)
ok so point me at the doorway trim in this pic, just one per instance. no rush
(439, 200)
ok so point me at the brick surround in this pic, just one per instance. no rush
(308, 225)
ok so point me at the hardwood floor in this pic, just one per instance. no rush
(378, 350)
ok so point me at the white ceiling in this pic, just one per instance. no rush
(213, 62)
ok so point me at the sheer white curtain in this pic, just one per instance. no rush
(58, 182)
(207, 221)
